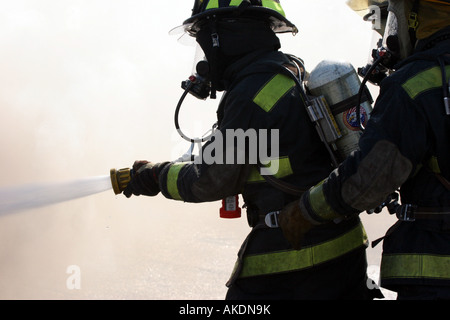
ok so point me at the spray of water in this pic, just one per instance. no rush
(31, 196)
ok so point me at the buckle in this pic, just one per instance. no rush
(413, 22)
(271, 219)
(406, 212)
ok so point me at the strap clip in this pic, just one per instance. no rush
(413, 22)
(406, 212)
(271, 219)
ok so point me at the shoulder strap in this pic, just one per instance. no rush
(283, 185)
(296, 73)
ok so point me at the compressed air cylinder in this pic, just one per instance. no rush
(339, 84)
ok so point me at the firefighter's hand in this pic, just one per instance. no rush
(144, 180)
(294, 225)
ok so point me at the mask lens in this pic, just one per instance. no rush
(391, 32)
(198, 83)
(199, 57)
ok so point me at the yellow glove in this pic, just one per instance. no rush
(294, 225)
(300, 216)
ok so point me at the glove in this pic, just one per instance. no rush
(294, 224)
(145, 180)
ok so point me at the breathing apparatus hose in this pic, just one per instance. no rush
(361, 90)
(177, 111)
(176, 116)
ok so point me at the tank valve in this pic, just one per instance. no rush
(120, 179)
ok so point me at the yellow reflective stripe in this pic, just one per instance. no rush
(274, 5)
(434, 165)
(282, 164)
(273, 91)
(212, 4)
(235, 3)
(294, 260)
(425, 80)
(319, 204)
(172, 181)
(270, 4)
(415, 266)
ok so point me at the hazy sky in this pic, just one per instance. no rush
(88, 85)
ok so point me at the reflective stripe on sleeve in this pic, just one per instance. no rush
(172, 180)
(319, 205)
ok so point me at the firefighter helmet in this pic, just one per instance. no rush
(407, 20)
(412, 20)
(270, 10)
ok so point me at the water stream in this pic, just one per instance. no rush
(19, 198)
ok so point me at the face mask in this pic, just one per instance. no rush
(385, 56)
(391, 40)
(199, 83)
(394, 46)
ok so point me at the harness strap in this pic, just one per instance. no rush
(284, 186)
(417, 213)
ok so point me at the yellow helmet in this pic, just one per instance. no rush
(416, 20)
(265, 9)
(432, 17)
(408, 20)
(363, 5)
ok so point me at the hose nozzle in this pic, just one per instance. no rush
(120, 179)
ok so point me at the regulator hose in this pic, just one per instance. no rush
(361, 90)
(176, 116)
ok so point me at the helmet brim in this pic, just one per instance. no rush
(278, 22)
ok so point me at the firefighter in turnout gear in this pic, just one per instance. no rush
(261, 92)
(405, 147)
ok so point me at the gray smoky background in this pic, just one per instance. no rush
(86, 86)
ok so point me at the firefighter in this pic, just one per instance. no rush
(261, 92)
(406, 147)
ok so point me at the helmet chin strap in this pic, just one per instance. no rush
(215, 57)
